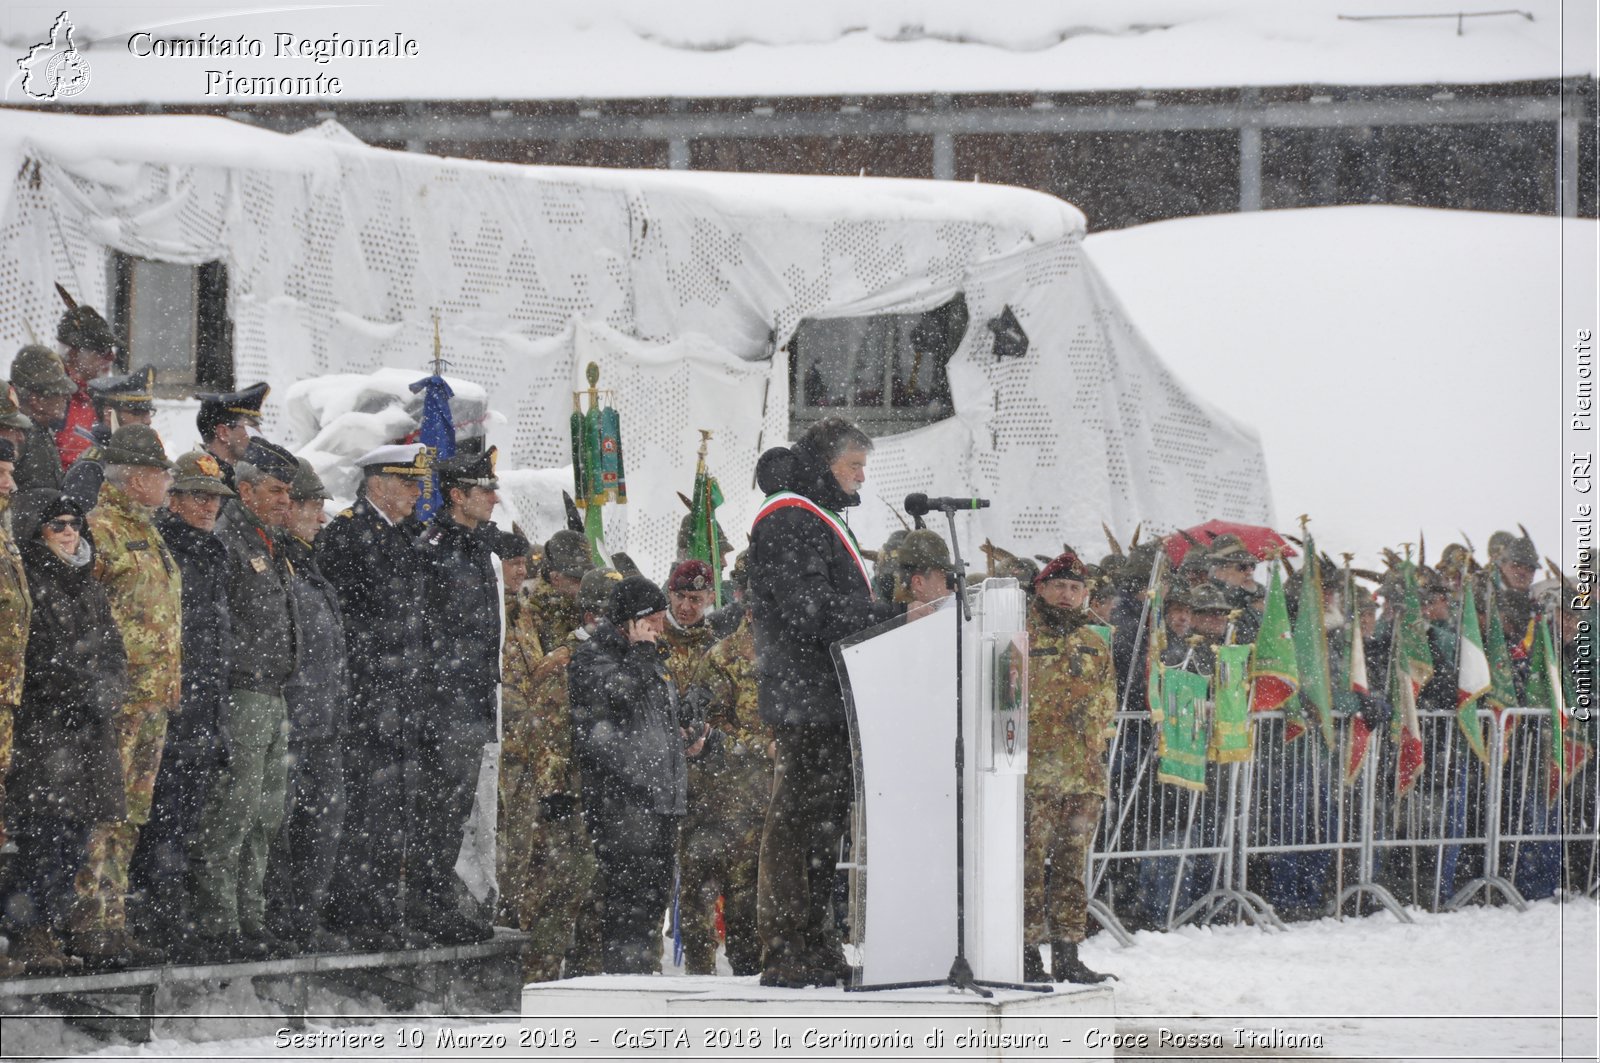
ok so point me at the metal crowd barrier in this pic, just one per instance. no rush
(1284, 835)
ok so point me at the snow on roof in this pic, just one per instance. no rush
(1400, 378)
(96, 146)
(624, 49)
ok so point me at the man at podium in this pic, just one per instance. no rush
(809, 588)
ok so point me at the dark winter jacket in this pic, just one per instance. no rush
(39, 464)
(806, 593)
(462, 607)
(263, 649)
(207, 637)
(625, 720)
(64, 763)
(319, 691)
(374, 566)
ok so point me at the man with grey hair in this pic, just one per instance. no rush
(809, 588)
(145, 588)
(245, 807)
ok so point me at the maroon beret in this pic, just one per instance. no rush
(1067, 566)
(690, 576)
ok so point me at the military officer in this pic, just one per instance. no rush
(723, 693)
(368, 553)
(145, 586)
(462, 610)
(42, 388)
(1232, 569)
(553, 601)
(301, 862)
(245, 805)
(16, 607)
(118, 400)
(193, 749)
(225, 421)
(550, 860)
(1071, 709)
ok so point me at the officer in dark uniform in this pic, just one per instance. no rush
(368, 552)
(462, 609)
(118, 400)
(225, 421)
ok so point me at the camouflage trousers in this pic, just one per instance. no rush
(101, 886)
(556, 900)
(719, 849)
(6, 736)
(1058, 828)
(516, 828)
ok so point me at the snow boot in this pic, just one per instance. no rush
(1066, 967)
(1033, 965)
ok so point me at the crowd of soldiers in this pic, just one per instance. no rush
(213, 706)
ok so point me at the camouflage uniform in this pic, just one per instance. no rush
(142, 580)
(517, 802)
(16, 610)
(553, 615)
(702, 836)
(742, 785)
(556, 874)
(1071, 709)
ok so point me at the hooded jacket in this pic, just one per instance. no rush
(806, 593)
(625, 721)
(65, 763)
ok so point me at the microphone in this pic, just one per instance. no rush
(917, 504)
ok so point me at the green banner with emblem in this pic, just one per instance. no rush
(1185, 728)
(1230, 727)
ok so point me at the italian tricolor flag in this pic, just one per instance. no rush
(1410, 666)
(1473, 679)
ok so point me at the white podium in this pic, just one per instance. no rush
(900, 691)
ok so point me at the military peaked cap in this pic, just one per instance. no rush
(217, 410)
(272, 459)
(397, 459)
(468, 470)
(133, 391)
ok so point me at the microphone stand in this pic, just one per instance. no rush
(961, 976)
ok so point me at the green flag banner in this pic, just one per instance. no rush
(1230, 728)
(1274, 677)
(1183, 729)
(1473, 677)
(1568, 753)
(1410, 666)
(1311, 657)
(1502, 684)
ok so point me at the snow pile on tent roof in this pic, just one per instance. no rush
(624, 49)
(685, 288)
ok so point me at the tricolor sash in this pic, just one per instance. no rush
(788, 499)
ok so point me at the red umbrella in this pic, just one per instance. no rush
(1258, 539)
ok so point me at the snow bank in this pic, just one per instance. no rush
(1403, 366)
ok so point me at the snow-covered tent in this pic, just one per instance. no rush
(686, 289)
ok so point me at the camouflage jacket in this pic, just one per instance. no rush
(549, 740)
(522, 654)
(725, 684)
(686, 648)
(144, 584)
(16, 610)
(1072, 703)
(552, 615)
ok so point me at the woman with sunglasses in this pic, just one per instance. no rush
(65, 774)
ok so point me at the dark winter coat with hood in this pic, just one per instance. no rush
(318, 693)
(625, 720)
(64, 763)
(806, 593)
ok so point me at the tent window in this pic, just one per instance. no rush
(887, 373)
(174, 317)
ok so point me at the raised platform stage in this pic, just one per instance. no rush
(703, 1018)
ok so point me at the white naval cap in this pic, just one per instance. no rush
(398, 459)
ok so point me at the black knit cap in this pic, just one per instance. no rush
(634, 599)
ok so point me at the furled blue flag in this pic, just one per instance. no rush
(438, 432)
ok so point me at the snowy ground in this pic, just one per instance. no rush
(1481, 984)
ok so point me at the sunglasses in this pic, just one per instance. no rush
(61, 524)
